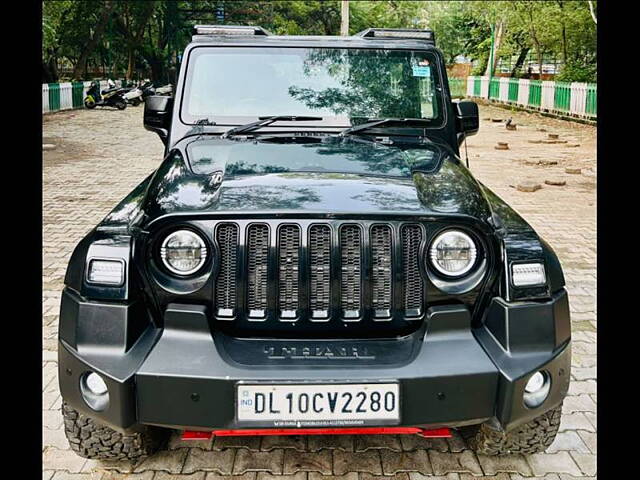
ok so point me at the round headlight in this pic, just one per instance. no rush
(453, 253)
(183, 252)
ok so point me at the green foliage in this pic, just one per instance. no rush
(577, 72)
(147, 37)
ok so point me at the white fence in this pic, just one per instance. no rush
(65, 96)
(569, 99)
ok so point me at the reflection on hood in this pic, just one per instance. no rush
(448, 188)
(331, 154)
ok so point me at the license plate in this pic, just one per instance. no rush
(313, 404)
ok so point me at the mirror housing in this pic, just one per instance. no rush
(157, 115)
(467, 118)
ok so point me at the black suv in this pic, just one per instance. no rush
(312, 256)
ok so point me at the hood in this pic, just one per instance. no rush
(373, 181)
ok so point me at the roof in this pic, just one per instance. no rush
(233, 35)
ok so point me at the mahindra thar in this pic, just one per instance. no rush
(312, 256)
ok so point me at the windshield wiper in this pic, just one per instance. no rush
(382, 121)
(264, 121)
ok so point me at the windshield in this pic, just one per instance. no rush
(232, 86)
(332, 155)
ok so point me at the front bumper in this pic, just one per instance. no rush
(184, 376)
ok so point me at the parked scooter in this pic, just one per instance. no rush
(111, 97)
(148, 91)
(136, 95)
(165, 90)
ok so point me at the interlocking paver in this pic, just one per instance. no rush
(590, 439)
(346, 476)
(420, 476)
(77, 195)
(295, 461)
(396, 476)
(365, 442)
(416, 442)
(366, 462)
(415, 461)
(297, 442)
(250, 443)
(170, 461)
(509, 463)
(543, 463)
(586, 462)
(56, 459)
(244, 476)
(180, 476)
(64, 475)
(465, 461)
(269, 476)
(111, 475)
(248, 461)
(569, 441)
(209, 460)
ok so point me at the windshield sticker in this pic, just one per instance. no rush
(421, 71)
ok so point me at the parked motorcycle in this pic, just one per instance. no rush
(165, 90)
(111, 97)
(148, 91)
(136, 95)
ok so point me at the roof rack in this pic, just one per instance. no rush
(399, 33)
(229, 30)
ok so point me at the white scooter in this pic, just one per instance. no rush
(134, 96)
(165, 90)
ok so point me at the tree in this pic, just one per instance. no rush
(80, 69)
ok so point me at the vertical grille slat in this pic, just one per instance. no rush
(227, 238)
(257, 266)
(413, 284)
(319, 271)
(351, 272)
(381, 274)
(288, 270)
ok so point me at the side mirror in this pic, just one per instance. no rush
(157, 115)
(467, 118)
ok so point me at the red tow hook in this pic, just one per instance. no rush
(423, 432)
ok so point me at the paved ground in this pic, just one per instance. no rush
(101, 155)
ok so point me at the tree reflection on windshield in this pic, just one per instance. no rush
(373, 83)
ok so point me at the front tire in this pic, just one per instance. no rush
(532, 437)
(90, 439)
(90, 103)
(121, 105)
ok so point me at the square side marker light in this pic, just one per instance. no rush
(528, 274)
(106, 272)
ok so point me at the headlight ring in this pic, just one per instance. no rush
(183, 252)
(453, 253)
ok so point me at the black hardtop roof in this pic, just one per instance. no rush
(257, 36)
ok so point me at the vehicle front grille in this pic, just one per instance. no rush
(289, 271)
(227, 238)
(257, 260)
(319, 271)
(324, 275)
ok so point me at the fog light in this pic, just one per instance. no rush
(94, 391)
(537, 389)
(528, 274)
(106, 272)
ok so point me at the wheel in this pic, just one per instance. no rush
(89, 102)
(121, 105)
(532, 437)
(89, 439)
(135, 102)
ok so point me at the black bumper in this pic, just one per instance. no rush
(183, 376)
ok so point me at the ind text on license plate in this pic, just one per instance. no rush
(319, 403)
